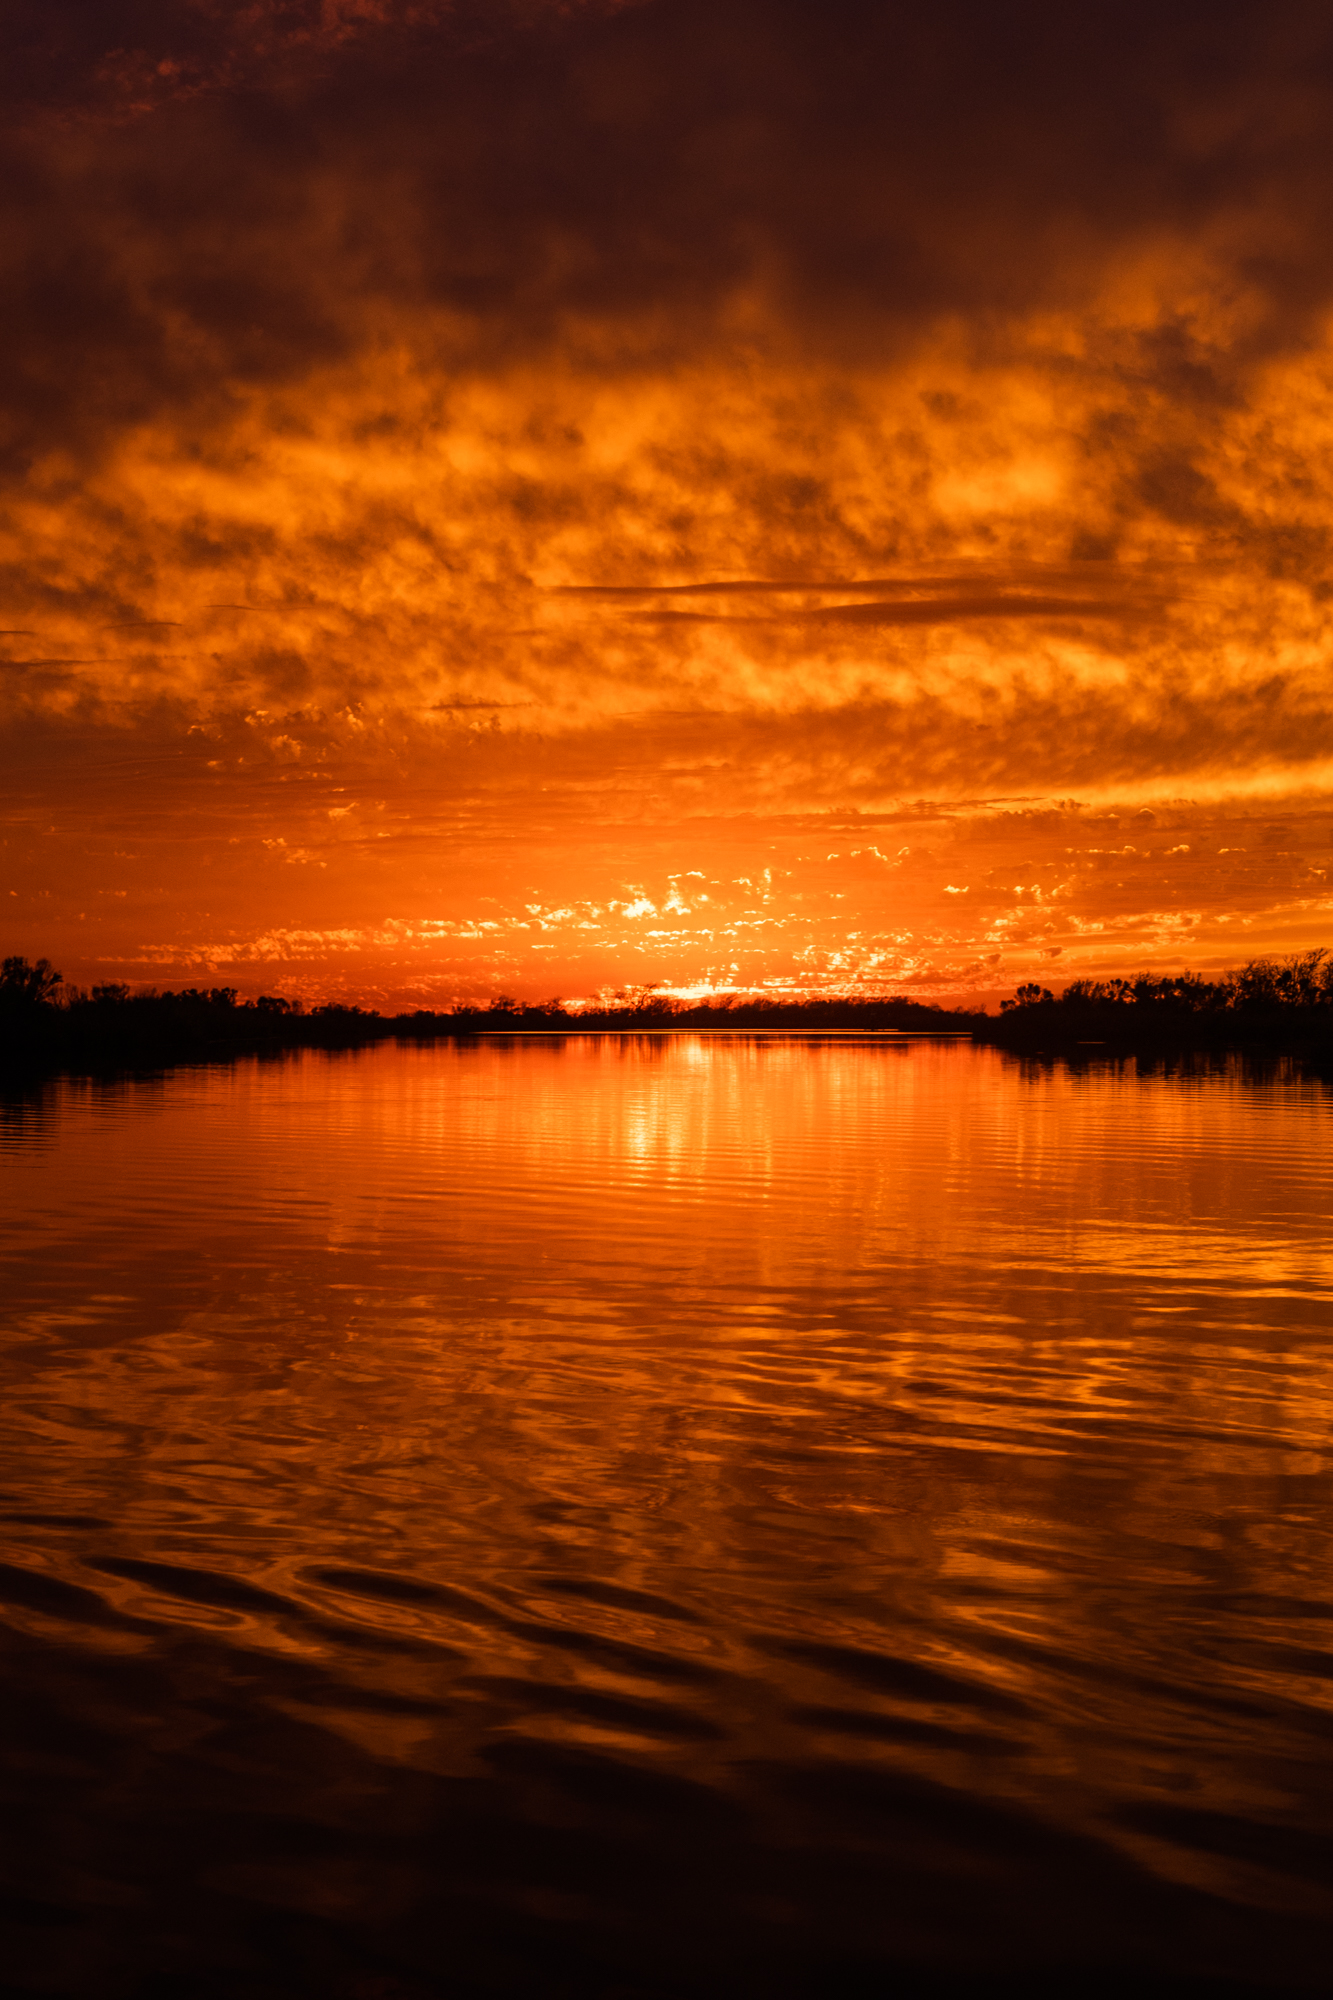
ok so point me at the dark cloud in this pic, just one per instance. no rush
(525, 421)
(201, 197)
(932, 611)
(965, 588)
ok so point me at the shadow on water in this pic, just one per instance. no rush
(218, 1835)
(28, 1112)
(656, 1518)
(1255, 1071)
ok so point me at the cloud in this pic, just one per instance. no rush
(282, 184)
(554, 416)
(930, 611)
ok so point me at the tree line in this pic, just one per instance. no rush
(1272, 1004)
(45, 1021)
(1268, 1003)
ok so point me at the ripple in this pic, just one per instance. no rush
(196, 1586)
(689, 1519)
(886, 1674)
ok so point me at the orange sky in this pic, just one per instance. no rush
(543, 497)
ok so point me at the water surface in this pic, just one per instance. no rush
(650, 1517)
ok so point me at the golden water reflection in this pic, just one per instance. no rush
(908, 1468)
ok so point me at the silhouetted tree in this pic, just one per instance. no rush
(23, 985)
(1031, 995)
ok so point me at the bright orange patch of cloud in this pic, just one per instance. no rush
(626, 614)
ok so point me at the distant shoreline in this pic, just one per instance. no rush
(1268, 1009)
(136, 1031)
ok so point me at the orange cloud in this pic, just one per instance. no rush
(462, 465)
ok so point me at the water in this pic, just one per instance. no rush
(666, 1517)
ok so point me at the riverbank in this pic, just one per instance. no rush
(110, 1030)
(1267, 1009)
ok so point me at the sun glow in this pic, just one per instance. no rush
(461, 636)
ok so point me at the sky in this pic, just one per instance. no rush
(570, 495)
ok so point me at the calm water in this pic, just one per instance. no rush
(666, 1517)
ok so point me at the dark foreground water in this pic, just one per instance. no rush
(666, 1518)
